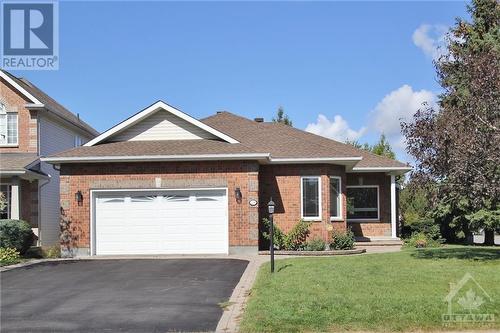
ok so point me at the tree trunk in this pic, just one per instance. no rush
(489, 237)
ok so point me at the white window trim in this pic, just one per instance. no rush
(310, 218)
(378, 202)
(341, 216)
(6, 112)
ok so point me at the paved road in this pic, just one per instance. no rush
(143, 295)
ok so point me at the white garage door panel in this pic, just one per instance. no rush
(167, 222)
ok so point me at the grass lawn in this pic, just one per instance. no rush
(402, 291)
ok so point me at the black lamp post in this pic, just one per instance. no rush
(270, 209)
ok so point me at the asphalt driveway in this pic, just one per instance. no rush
(145, 295)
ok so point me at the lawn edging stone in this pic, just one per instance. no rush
(315, 253)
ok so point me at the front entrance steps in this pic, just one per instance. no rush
(378, 241)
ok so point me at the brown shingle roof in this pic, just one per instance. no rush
(52, 105)
(287, 142)
(167, 147)
(16, 161)
(278, 140)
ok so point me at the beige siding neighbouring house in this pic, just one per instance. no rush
(54, 137)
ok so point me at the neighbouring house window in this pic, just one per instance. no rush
(8, 126)
(363, 203)
(335, 199)
(78, 141)
(5, 201)
(311, 198)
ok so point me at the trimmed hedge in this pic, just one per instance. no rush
(16, 234)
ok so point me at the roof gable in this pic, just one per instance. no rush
(40, 100)
(160, 121)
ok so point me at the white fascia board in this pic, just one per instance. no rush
(154, 158)
(327, 160)
(25, 174)
(12, 172)
(23, 91)
(34, 106)
(152, 109)
(389, 170)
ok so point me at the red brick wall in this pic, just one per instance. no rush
(26, 121)
(383, 226)
(243, 219)
(283, 184)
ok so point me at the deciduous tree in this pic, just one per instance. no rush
(457, 145)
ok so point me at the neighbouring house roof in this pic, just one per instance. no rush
(16, 161)
(263, 141)
(19, 164)
(41, 99)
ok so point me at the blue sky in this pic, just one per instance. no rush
(361, 65)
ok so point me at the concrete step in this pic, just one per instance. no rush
(378, 242)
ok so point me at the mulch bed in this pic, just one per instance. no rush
(315, 253)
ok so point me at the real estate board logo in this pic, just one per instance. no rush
(30, 35)
(467, 302)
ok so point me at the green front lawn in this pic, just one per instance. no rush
(375, 292)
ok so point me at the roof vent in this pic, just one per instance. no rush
(219, 112)
(259, 120)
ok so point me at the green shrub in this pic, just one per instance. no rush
(52, 252)
(293, 241)
(421, 240)
(16, 234)
(296, 238)
(422, 225)
(342, 240)
(8, 256)
(279, 236)
(316, 244)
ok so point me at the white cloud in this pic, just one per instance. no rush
(399, 104)
(338, 129)
(431, 39)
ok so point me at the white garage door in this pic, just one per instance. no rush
(167, 222)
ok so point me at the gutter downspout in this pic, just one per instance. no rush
(40, 208)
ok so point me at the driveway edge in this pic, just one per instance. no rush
(230, 320)
(33, 262)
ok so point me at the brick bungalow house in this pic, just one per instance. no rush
(162, 182)
(33, 124)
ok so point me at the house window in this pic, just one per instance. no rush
(363, 203)
(8, 126)
(4, 201)
(335, 199)
(311, 198)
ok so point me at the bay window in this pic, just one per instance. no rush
(335, 199)
(8, 126)
(311, 198)
(363, 202)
